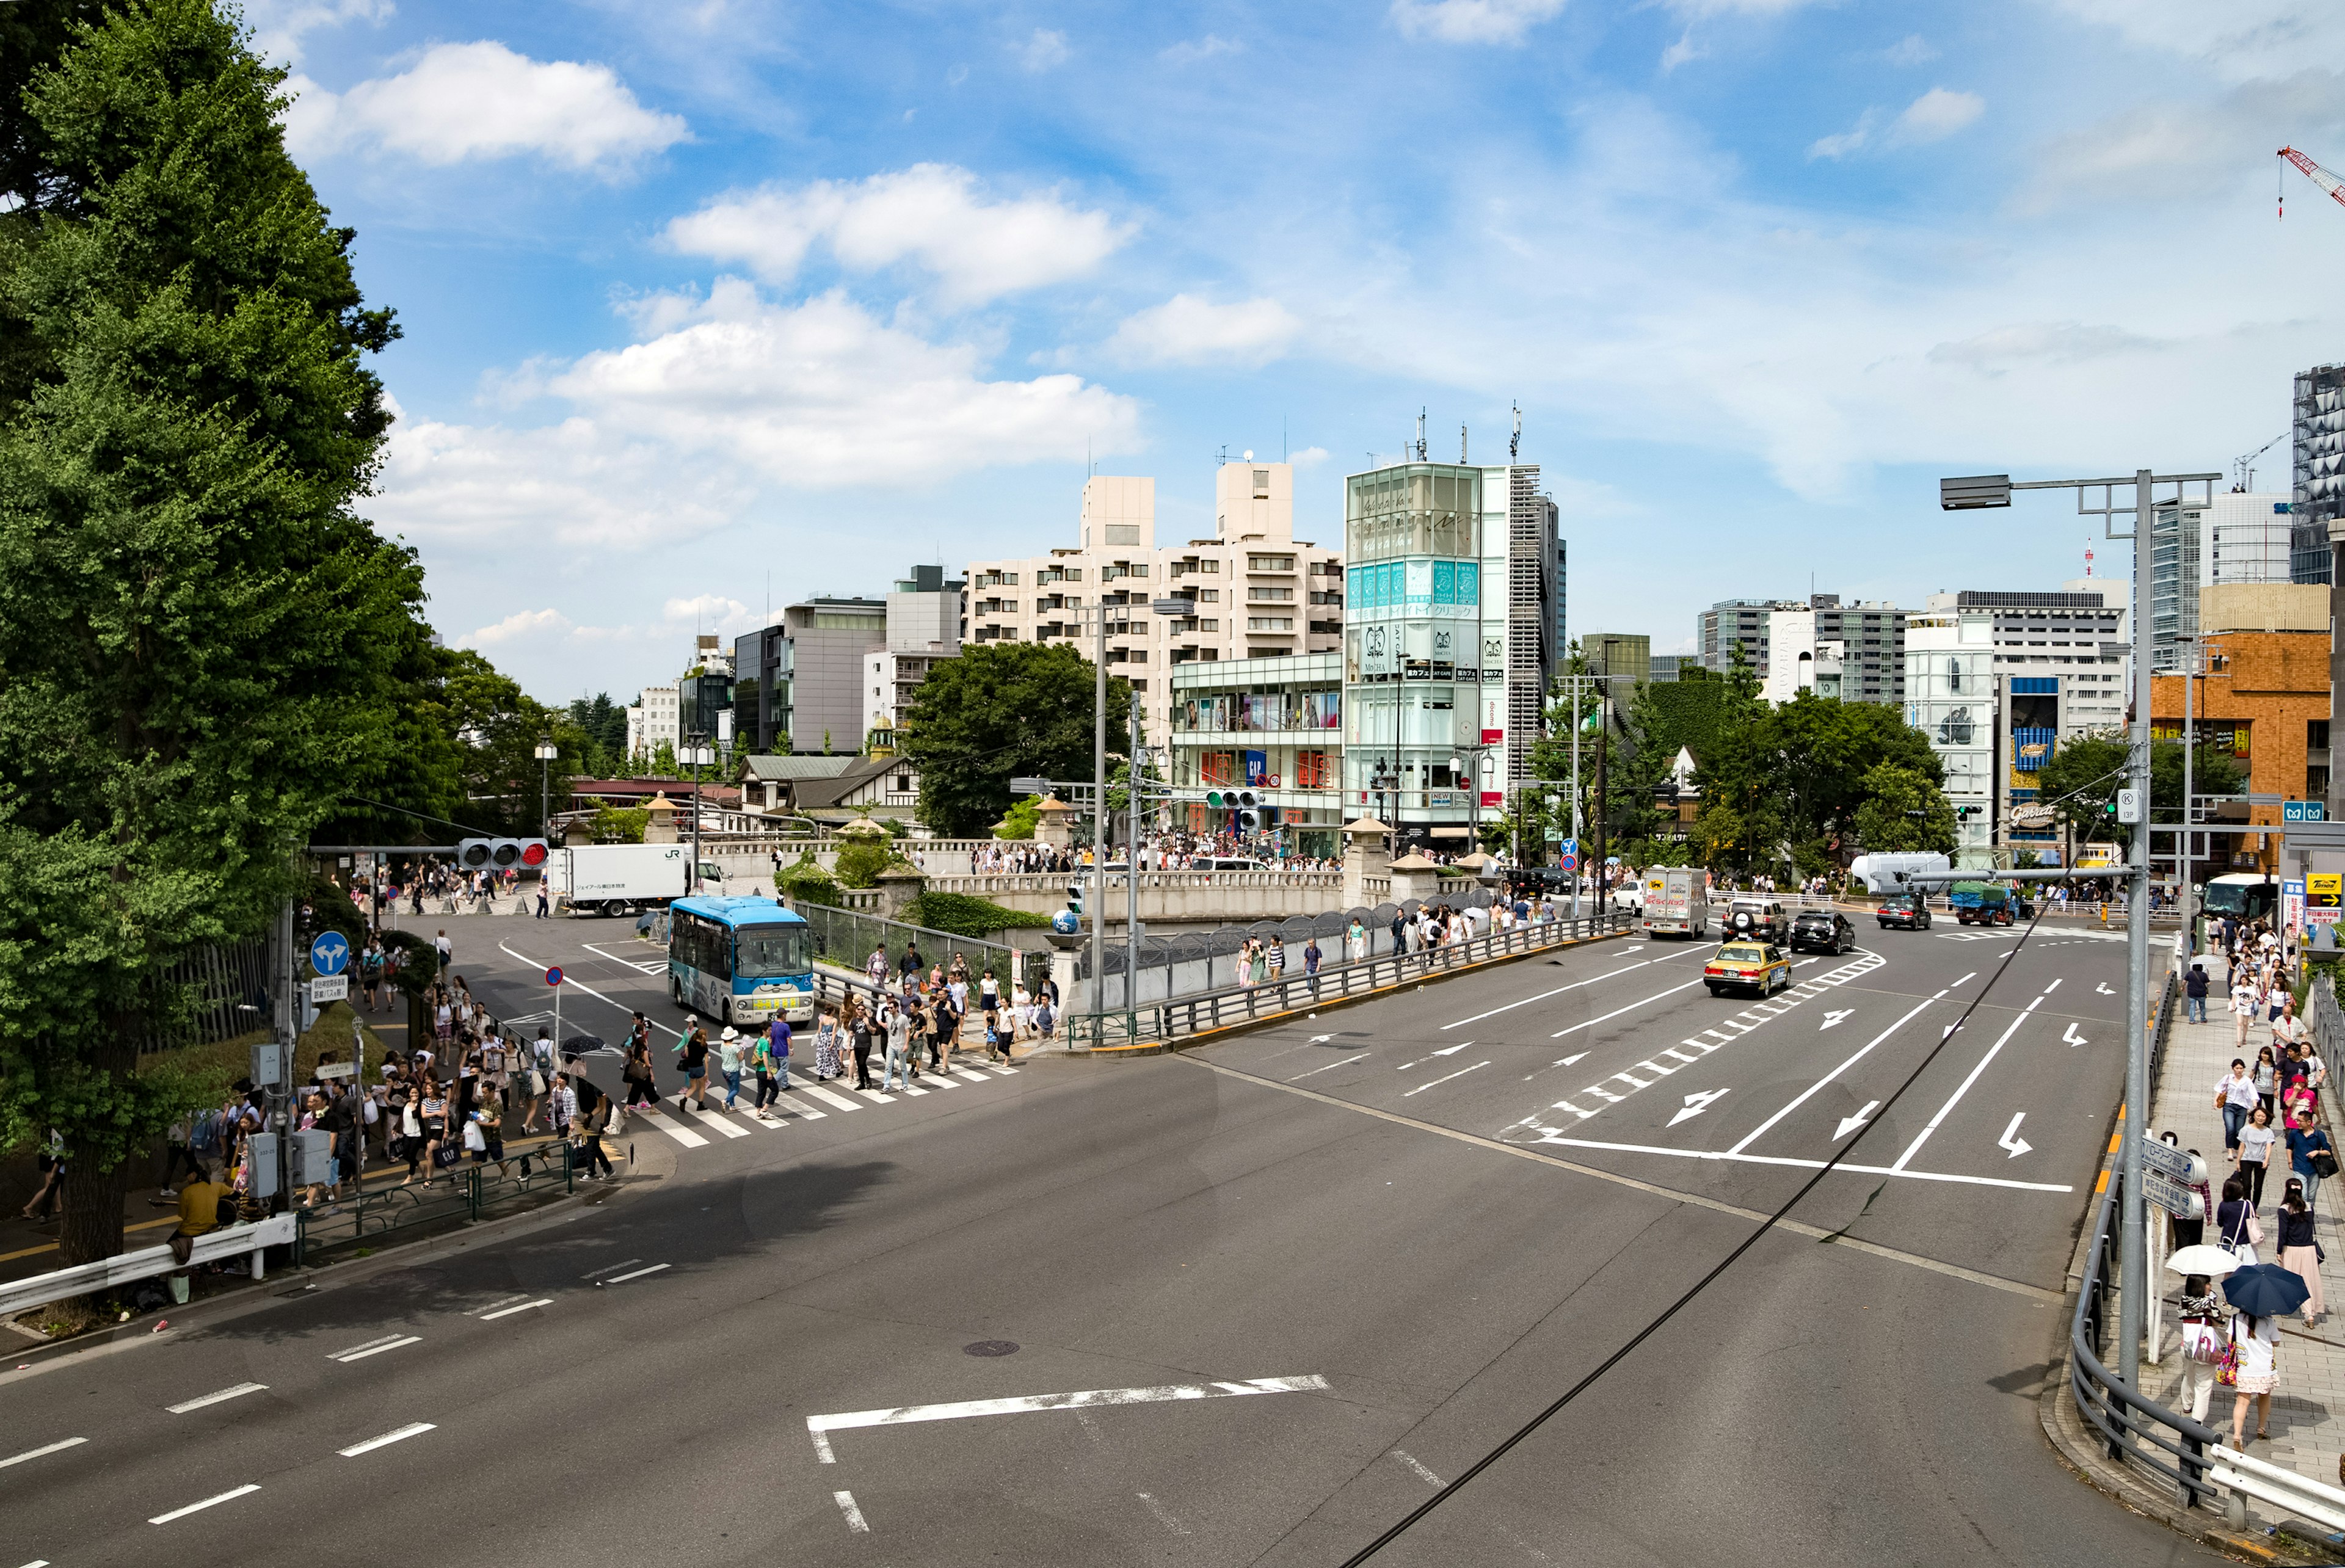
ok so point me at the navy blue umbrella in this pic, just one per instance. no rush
(2265, 1291)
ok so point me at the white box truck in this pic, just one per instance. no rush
(622, 878)
(1677, 901)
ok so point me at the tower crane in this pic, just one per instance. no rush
(2317, 175)
(2245, 475)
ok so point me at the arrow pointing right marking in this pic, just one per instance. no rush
(2011, 1138)
(1849, 1124)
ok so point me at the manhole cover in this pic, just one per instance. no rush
(989, 1347)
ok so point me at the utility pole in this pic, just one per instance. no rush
(692, 873)
(1579, 865)
(1986, 491)
(1132, 870)
(1099, 814)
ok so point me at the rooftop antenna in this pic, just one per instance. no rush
(1420, 433)
(1461, 446)
(1514, 441)
(1222, 458)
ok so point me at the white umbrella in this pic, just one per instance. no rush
(2212, 1261)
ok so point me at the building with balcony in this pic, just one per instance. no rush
(1450, 641)
(1274, 727)
(1254, 591)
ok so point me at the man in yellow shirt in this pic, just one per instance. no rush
(199, 1202)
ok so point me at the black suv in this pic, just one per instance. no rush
(1905, 910)
(1823, 931)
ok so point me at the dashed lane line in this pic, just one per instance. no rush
(249, 1486)
(845, 1501)
(1437, 1083)
(225, 1394)
(37, 1452)
(509, 1311)
(1346, 1062)
(1803, 1098)
(1543, 996)
(375, 1347)
(622, 1279)
(1956, 1097)
(414, 1428)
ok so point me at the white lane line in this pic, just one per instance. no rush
(574, 983)
(1956, 1097)
(1543, 996)
(641, 966)
(667, 1123)
(1423, 1474)
(819, 1427)
(500, 1301)
(363, 1351)
(36, 1452)
(607, 1267)
(1632, 1008)
(1801, 1098)
(845, 1501)
(509, 1311)
(1557, 1137)
(236, 1392)
(830, 1097)
(1346, 1062)
(416, 1428)
(207, 1503)
(1163, 1517)
(1437, 1083)
(622, 1279)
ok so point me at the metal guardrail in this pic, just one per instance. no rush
(147, 1263)
(1175, 1018)
(846, 937)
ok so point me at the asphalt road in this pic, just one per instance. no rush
(1305, 1276)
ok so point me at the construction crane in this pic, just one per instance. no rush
(2246, 475)
(2317, 175)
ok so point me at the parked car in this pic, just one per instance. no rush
(1823, 931)
(1757, 967)
(1904, 910)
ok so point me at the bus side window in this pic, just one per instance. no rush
(720, 952)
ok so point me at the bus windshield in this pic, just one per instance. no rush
(766, 951)
(2248, 899)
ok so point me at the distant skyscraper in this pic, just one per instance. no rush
(2319, 492)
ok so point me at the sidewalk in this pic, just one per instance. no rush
(2308, 1409)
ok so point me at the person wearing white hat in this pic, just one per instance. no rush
(729, 1062)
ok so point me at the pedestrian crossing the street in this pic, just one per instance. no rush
(801, 1103)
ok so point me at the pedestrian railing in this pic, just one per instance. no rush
(1175, 1017)
(147, 1263)
(460, 1193)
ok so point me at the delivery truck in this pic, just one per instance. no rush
(1677, 901)
(623, 878)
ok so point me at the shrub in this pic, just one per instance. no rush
(859, 865)
(806, 882)
(963, 916)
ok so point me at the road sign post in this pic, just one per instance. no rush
(554, 978)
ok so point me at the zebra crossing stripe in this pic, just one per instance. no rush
(831, 1097)
(683, 1135)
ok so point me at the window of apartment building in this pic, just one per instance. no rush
(1270, 623)
(1139, 656)
(1209, 625)
(1270, 563)
(2316, 734)
(1262, 484)
(1208, 566)
(1275, 595)
(1209, 596)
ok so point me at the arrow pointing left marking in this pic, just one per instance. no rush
(1849, 1124)
(1695, 1104)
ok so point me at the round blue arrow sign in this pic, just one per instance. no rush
(330, 953)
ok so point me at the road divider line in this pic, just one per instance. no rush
(1956, 1097)
(362, 1352)
(1437, 1083)
(1558, 1138)
(622, 1279)
(509, 1311)
(415, 1428)
(1801, 1098)
(207, 1502)
(1632, 1008)
(236, 1392)
(1346, 1062)
(609, 1267)
(37, 1452)
(845, 1501)
(1543, 996)
(819, 1427)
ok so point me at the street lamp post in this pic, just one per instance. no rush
(698, 753)
(1987, 491)
(546, 753)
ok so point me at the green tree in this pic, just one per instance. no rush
(1021, 819)
(1903, 811)
(999, 712)
(198, 636)
(2079, 780)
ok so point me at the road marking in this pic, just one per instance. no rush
(642, 966)
(1000, 1071)
(1695, 1104)
(1557, 1136)
(819, 1427)
(874, 1094)
(375, 1347)
(1346, 1062)
(971, 1076)
(509, 1311)
(1632, 1008)
(937, 1079)
(1543, 996)
(1955, 1099)
(207, 1503)
(911, 1089)
(607, 1267)
(574, 984)
(37, 1452)
(1849, 1124)
(225, 1394)
(416, 1429)
(1410, 1460)
(1162, 1517)
(1437, 1083)
(2072, 1037)
(622, 1279)
(1836, 1016)
(2012, 1141)
(845, 1501)
(668, 1124)
(1760, 1130)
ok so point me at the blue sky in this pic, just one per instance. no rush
(702, 297)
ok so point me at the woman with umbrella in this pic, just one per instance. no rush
(2201, 1311)
(2260, 1294)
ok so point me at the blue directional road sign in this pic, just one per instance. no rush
(330, 953)
(1571, 846)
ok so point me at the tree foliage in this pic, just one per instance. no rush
(1792, 780)
(200, 640)
(2081, 779)
(999, 712)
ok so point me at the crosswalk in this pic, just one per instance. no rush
(802, 1102)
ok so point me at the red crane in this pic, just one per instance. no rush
(2317, 175)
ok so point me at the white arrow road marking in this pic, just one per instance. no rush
(1849, 1124)
(1452, 1050)
(2103, 989)
(2072, 1037)
(1838, 1015)
(1695, 1104)
(1321, 1039)
(819, 1427)
(2011, 1138)
(1346, 1062)
(1956, 1097)
(1567, 1061)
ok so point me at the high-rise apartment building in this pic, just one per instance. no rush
(2316, 497)
(1254, 591)
(1449, 638)
(2233, 537)
(1852, 651)
(803, 682)
(1733, 622)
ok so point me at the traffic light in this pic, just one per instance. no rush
(1075, 898)
(1245, 800)
(500, 854)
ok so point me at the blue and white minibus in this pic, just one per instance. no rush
(740, 960)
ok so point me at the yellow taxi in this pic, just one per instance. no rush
(1758, 967)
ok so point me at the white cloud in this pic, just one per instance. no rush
(1188, 330)
(2168, 147)
(1045, 49)
(709, 612)
(677, 436)
(1737, 7)
(933, 215)
(521, 623)
(2030, 343)
(538, 630)
(1679, 53)
(1911, 50)
(1190, 53)
(1471, 20)
(464, 101)
(1936, 115)
(2238, 39)
(1309, 457)
(279, 28)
